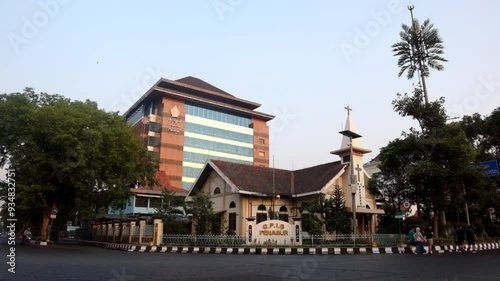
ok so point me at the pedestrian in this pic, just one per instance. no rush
(411, 238)
(470, 234)
(420, 240)
(454, 233)
(460, 233)
(429, 236)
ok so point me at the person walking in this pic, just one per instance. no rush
(429, 236)
(460, 238)
(26, 238)
(420, 240)
(471, 237)
(411, 239)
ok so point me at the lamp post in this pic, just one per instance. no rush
(466, 207)
(352, 135)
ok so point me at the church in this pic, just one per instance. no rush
(243, 193)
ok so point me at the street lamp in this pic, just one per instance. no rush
(352, 135)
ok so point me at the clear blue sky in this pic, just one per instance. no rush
(286, 55)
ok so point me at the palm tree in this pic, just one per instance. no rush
(419, 50)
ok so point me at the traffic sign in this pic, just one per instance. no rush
(54, 211)
(398, 215)
(490, 168)
(406, 204)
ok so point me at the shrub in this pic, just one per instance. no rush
(412, 222)
(493, 230)
(390, 229)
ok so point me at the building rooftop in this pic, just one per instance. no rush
(267, 180)
(195, 90)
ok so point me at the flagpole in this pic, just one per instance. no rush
(273, 191)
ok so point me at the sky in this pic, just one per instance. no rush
(303, 61)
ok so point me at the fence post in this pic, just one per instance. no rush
(109, 225)
(95, 237)
(122, 232)
(142, 228)
(158, 231)
(131, 231)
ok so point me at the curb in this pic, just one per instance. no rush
(453, 248)
(277, 251)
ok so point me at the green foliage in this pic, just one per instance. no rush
(331, 212)
(493, 230)
(170, 204)
(388, 224)
(172, 226)
(412, 222)
(203, 214)
(420, 47)
(431, 165)
(389, 229)
(68, 154)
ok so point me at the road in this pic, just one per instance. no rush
(71, 262)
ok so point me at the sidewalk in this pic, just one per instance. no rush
(276, 250)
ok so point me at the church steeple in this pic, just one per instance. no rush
(356, 141)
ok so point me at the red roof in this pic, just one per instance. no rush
(267, 180)
(163, 183)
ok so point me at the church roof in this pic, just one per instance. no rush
(260, 180)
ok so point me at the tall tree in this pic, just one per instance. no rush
(68, 153)
(433, 161)
(483, 133)
(419, 50)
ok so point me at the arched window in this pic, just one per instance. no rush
(367, 206)
(216, 190)
(232, 204)
(261, 213)
(283, 215)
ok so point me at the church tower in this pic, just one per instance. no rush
(351, 148)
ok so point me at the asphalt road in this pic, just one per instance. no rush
(71, 262)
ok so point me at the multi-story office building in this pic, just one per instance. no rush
(187, 121)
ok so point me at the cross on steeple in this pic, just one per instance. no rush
(348, 110)
(359, 170)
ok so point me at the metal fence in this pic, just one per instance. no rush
(204, 240)
(326, 240)
(350, 240)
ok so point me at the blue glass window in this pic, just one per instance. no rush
(217, 146)
(186, 185)
(202, 158)
(216, 132)
(191, 172)
(136, 116)
(217, 115)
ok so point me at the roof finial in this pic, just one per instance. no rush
(348, 110)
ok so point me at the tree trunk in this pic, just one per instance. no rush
(442, 217)
(436, 227)
(45, 226)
